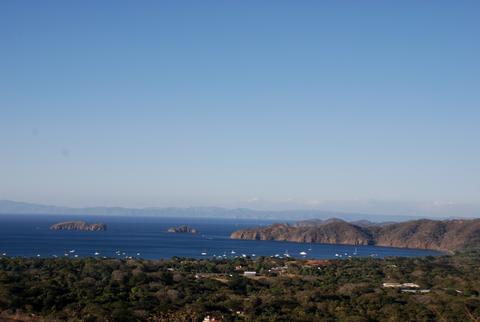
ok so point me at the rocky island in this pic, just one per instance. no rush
(79, 225)
(441, 235)
(182, 229)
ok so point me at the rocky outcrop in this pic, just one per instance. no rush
(79, 225)
(182, 229)
(446, 235)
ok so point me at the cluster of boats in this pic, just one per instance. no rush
(233, 254)
(72, 253)
(284, 255)
(346, 254)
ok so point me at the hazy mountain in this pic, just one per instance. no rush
(13, 207)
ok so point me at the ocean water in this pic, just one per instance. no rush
(147, 237)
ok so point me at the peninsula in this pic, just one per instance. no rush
(442, 235)
(79, 225)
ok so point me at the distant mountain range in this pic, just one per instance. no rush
(13, 207)
(444, 235)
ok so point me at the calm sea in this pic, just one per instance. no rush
(146, 237)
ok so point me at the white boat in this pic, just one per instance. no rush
(72, 251)
(76, 256)
(303, 253)
(232, 252)
(204, 254)
(96, 253)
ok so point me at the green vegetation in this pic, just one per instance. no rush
(284, 289)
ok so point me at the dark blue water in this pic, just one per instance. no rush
(30, 236)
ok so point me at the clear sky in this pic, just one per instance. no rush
(274, 104)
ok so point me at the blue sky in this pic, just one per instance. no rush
(271, 104)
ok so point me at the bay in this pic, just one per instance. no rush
(147, 237)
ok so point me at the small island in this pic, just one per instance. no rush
(79, 225)
(182, 229)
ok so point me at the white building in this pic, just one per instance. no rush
(398, 285)
(392, 285)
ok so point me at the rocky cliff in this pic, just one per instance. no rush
(79, 225)
(446, 235)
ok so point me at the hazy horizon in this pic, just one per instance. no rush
(373, 209)
(366, 107)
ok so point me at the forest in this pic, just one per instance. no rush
(445, 288)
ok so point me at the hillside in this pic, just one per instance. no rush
(330, 232)
(448, 235)
(445, 288)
